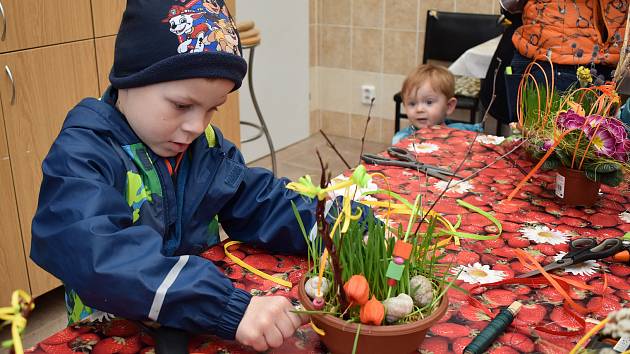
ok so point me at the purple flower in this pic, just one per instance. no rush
(617, 128)
(547, 144)
(623, 152)
(570, 120)
(603, 141)
(609, 137)
(594, 120)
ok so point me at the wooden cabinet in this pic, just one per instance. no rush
(12, 258)
(53, 54)
(35, 23)
(35, 100)
(107, 15)
(104, 60)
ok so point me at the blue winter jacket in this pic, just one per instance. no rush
(123, 236)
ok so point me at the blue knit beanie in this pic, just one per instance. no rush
(167, 40)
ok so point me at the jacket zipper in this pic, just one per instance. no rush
(165, 196)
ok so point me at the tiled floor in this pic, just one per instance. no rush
(293, 162)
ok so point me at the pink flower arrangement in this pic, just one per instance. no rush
(607, 135)
(574, 129)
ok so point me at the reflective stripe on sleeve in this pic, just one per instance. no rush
(160, 294)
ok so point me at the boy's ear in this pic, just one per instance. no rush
(450, 105)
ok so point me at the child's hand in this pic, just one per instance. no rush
(268, 320)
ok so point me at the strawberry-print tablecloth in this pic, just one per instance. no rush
(533, 221)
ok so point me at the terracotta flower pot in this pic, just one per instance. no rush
(573, 188)
(399, 339)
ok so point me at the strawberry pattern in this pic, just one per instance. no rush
(534, 207)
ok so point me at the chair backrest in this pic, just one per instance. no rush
(449, 34)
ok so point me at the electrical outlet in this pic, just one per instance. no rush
(368, 92)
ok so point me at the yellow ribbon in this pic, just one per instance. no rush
(252, 269)
(317, 329)
(21, 305)
(404, 209)
(305, 185)
(588, 336)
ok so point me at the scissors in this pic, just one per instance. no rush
(582, 250)
(403, 158)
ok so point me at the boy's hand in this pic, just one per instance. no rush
(267, 321)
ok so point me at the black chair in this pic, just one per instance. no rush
(447, 36)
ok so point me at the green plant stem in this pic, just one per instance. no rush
(308, 312)
(412, 218)
(356, 339)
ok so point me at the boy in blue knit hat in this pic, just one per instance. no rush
(134, 183)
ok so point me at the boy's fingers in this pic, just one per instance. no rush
(273, 336)
(287, 325)
(295, 319)
(260, 345)
(303, 318)
(256, 341)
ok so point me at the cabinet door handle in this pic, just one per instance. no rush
(8, 71)
(3, 36)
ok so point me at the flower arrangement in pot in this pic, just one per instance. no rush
(576, 133)
(371, 288)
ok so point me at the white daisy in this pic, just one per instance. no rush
(455, 187)
(625, 217)
(353, 191)
(478, 274)
(543, 234)
(585, 268)
(490, 139)
(422, 148)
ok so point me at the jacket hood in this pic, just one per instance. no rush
(108, 120)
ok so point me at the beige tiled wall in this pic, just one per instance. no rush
(355, 42)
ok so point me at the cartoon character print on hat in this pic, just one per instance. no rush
(203, 25)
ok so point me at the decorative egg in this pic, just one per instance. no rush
(311, 287)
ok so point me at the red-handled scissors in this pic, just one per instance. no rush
(582, 250)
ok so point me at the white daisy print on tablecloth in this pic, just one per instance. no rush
(543, 234)
(490, 139)
(422, 148)
(454, 187)
(585, 268)
(625, 217)
(99, 316)
(478, 274)
(353, 192)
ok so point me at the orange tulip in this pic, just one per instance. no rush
(357, 289)
(372, 312)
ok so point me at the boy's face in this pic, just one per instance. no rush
(168, 116)
(426, 107)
